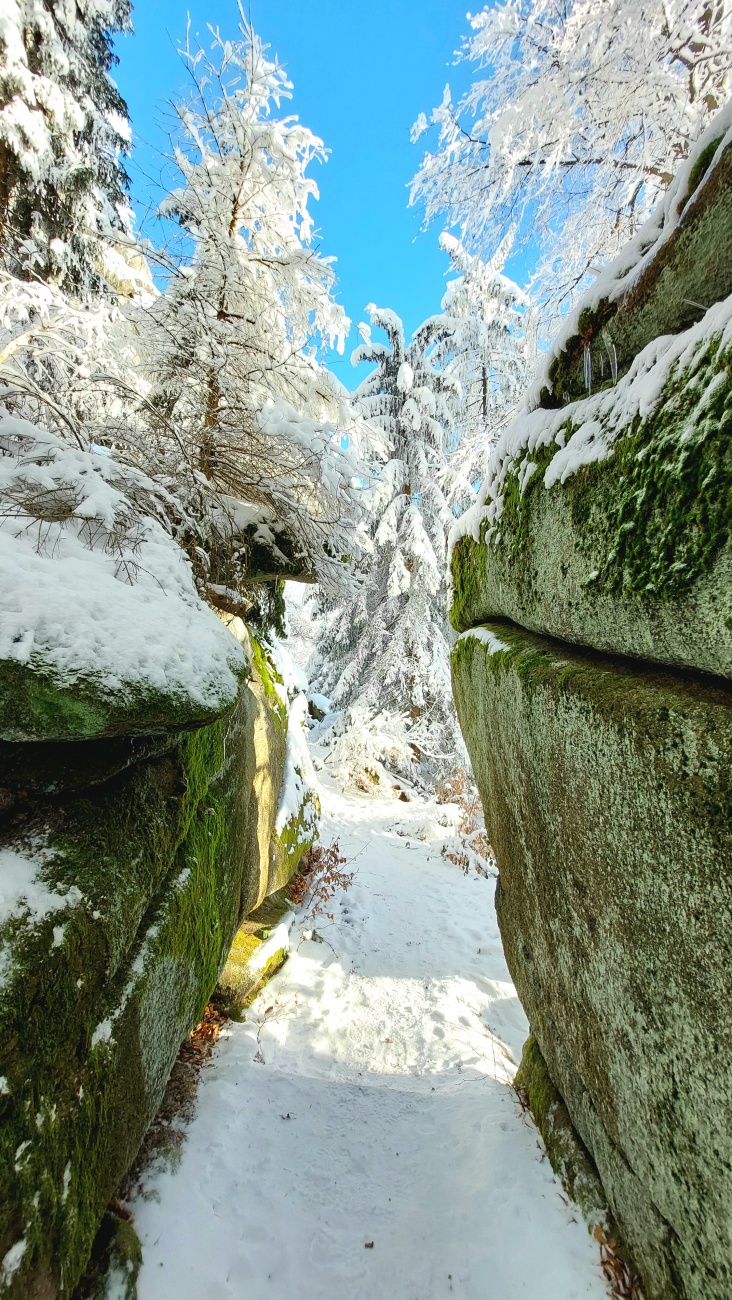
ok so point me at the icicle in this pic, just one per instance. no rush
(588, 368)
(612, 354)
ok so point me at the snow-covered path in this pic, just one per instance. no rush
(365, 1100)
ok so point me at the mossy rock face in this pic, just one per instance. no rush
(270, 750)
(691, 271)
(283, 846)
(119, 906)
(290, 845)
(269, 735)
(606, 788)
(36, 706)
(116, 1262)
(631, 554)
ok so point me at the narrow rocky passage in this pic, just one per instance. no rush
(356, 1137)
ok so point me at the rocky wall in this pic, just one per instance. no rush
(126, 867)
(629, 551)
(606, 786)
(592, 587)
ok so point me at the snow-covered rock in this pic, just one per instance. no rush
(102, 631)
(605, 521)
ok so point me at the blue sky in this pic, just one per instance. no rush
(362, 73)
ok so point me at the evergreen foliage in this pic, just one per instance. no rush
(64, 131)
(384, 657)
(489, 352)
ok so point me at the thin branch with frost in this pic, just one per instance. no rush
(578, 117)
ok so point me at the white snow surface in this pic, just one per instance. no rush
(298, 780)
(22, 891)
(486, 638)
(366, 1099)
(79, 606)
(299, 777)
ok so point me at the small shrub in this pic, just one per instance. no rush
(469, 848)
(320, 876)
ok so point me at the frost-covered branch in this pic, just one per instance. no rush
(578, 117)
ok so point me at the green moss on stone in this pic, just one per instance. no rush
(243, 977)
(268, 675)
(623, 554)
(97, 997)
(607, 794)
(699, 170)
(36, 707)
(116, 1261)
(659, 508)
(691, 270)
(662, 514)
(293, 841)
(568, 1156)
(514, 533)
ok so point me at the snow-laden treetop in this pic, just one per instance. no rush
(578, 116)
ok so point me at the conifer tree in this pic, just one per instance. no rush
(384, 658)
(63, 134)
(489, 352)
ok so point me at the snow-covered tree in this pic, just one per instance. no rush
(488, 352)
(257, 416)
(577, 118)
(384, 657)
(71, 366)
(63, 134)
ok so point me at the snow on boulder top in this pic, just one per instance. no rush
(681, 209)
(101, 629)
(586, 431)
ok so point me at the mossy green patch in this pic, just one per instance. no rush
(115, 1265)
(700, 168)
(662, 515)
(568, 1155)
(36, 707)
(268, 676)
(297, 836)
(691, 270)
(659, 509)
(244, 973)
